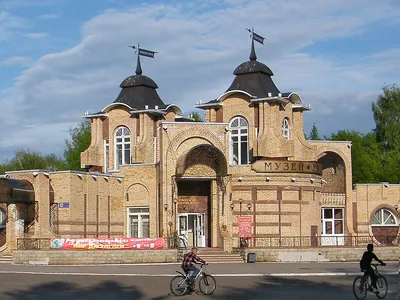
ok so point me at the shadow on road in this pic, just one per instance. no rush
(288, 289)
(68, 291)
(157, 288)
(276, 288)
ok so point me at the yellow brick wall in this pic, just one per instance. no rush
(153, 184)
(369, 198)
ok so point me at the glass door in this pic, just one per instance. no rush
(183, 226)
(201, 236)
(192, 230)
(191, 226)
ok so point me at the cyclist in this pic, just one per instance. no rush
(365, 265)
(187, 263)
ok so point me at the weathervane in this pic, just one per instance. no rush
(254, 37)
(139, 51)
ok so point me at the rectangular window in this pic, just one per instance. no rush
(235, 151)
(119, 155)
(106, 155)
(332, 221)
(138, 222)
(127, 157)
(243, 155)
(3, 218)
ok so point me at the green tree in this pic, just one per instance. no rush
(366, 155)
(314, 133)
(386, 113)
(79, 142)
(32, 160)
(390, 161)
(196, 116)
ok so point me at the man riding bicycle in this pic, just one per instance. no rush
(187, 263)
(365, 265)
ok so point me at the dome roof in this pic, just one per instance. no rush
(138, 80)
(254, 78)
(139, 91)
(252, 67)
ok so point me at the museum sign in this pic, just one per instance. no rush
(292, 166)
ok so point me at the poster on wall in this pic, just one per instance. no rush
(107, 244)
(245, 224)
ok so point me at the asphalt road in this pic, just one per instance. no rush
(234, 281)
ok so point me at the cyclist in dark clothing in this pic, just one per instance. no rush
(188, 260)
(365, 265)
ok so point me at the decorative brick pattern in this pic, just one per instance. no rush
(165, 154)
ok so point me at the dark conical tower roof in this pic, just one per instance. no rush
(139, 90)
(254, 77)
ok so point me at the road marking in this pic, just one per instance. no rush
(215, 275)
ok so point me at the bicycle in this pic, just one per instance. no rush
(362, 285)
(179, 241)
(182, 283)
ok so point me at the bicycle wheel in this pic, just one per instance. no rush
(207, 284)
(178, 285)
(382, 285)
(360, 290)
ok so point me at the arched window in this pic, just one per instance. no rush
(122, 147)
(285, 128)
(384, 217)
(239, 128)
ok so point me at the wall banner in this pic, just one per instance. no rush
(245, 224)
(107, 244)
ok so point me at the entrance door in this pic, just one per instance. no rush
(191, 227)
(201, 237)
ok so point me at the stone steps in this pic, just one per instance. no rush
(215, 255)
(6, 259)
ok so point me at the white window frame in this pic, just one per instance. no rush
(3, 218)
(286, 128)
(106, 155)
(140, 212)
(332, 239)
(124, 134)
(382, 221)
(332, 221)
(242, 125)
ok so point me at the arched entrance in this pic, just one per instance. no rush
(333, 199)
(21, 195)
(198, 174)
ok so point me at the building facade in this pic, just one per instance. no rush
(154, 173)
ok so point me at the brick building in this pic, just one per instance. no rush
(153, 172)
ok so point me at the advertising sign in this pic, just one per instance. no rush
(107, 244)
(245, 224)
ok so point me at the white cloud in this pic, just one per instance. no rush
(36, 35)
(198, 49)
(15, 60)
(8, 24)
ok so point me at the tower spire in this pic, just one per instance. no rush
(138, 66)
(253, 55)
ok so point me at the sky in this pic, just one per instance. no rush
(62, 58)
